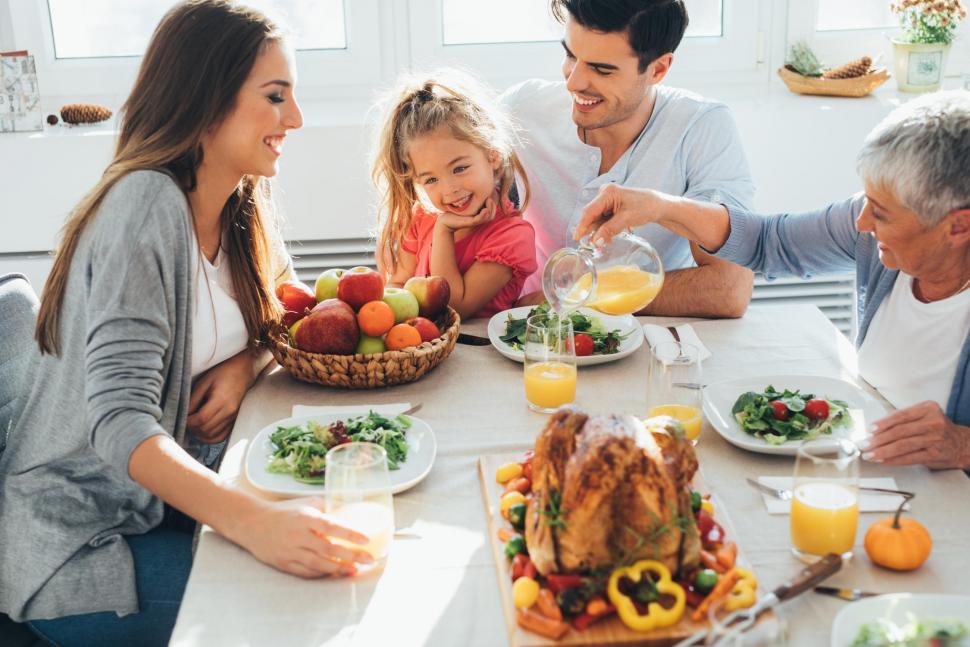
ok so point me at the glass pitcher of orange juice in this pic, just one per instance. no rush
(620, 278)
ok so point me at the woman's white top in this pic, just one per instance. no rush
(218, 328)
(911, 350)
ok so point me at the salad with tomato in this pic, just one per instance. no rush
(780, 416)
(590, 335)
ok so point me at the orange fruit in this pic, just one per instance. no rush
(402, 336)
(375, 318)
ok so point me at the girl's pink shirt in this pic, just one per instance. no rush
(508, 240)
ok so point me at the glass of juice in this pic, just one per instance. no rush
(550, 362)
(358, 495)
(673, 385)
(825, 501)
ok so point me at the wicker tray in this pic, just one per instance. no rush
(366, 371)
(859, 86)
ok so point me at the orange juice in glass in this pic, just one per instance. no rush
(825, 501)
(673, 385)
(358, 496)
(550, 362)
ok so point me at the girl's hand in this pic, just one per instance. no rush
(453, 222)
(217, 395)
(921, 435)
(295, 537)
(616, 209)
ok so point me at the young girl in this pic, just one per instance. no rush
(89, 555)
(445, 164)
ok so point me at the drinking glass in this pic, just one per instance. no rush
(674, 385)
(825, 501)
(358, 495)
(550, 362)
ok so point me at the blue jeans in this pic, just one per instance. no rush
(163, 559)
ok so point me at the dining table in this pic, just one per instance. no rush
(439, 586)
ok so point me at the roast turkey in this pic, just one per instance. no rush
(607, 490)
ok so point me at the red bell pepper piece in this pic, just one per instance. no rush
(584, 620)
(559, 583)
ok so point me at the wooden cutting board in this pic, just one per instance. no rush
(608, 631)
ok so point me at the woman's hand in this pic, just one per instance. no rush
(295, 537)
(615, 209)
(453, 222)
(919, 435)
(217, 395)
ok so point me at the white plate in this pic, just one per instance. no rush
(896, 608)
(720, 398)
(422, 448)
(626, 324)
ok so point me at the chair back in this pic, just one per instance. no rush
(18, 314)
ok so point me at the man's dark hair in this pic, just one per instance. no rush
(655, 27)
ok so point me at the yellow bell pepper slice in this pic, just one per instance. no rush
(657, 616)
(744, 593)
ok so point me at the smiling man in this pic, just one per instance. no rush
(611, 122)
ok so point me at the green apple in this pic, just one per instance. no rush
(402, 302)
(326, 285)
(370, 345)
(292, 331)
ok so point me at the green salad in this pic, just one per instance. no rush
(604, 342)
(916, 632)
(780, 416)
(301, 450)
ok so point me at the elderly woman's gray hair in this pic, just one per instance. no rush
(921, 153)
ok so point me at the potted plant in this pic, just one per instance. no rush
(928, 29)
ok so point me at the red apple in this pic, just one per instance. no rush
(331, 327)
(358, 285)
(295, 296)
(426, 327)
(290, 317)
(432, 292)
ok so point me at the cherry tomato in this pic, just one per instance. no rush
(584, 344)
(817, 409)
(780, 410)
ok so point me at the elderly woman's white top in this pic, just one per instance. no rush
(218, 328)
(911, 351)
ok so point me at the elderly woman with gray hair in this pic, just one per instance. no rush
(908, 239)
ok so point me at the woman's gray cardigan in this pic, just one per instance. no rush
(123, 375)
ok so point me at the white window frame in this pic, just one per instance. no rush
(738, 49)
(835, 47)
(321, 71)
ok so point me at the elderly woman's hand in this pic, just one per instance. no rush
(919, 435)
(615, 209)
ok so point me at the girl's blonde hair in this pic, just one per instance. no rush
(200, 55)
(420, 107)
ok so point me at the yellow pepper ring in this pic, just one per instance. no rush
(744, 592)
(657, 616)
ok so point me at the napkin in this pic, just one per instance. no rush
(384, 409)
(659, 334)
(868, 501)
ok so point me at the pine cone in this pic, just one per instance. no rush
(84, 113)
(852, 69)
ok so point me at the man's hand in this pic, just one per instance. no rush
(217, 395)
(616, 209)
(919, 435)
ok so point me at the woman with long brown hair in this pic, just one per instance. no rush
(179, 226)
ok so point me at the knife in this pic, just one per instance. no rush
(845, 594)
(473, 340)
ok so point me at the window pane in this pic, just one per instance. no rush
(858, 14)
(102, 28)
(468, 22)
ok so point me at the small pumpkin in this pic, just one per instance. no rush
(898, 544)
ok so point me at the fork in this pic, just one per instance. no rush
(786, 495)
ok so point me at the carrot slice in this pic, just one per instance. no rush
(547, 605)
(538, 623)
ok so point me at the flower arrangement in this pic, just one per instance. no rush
(929, 21)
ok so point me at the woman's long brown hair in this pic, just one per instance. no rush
(199, 57)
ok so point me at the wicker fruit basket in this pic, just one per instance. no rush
(366, 371)
(859, 86)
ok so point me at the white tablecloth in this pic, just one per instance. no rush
(441, 588)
